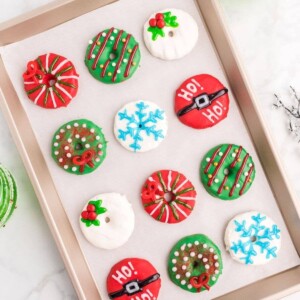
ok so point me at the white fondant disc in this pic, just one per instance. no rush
(252, 238)
(116, 224)
(140, 126)
(177, 41)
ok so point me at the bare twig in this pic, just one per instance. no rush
(292, 111)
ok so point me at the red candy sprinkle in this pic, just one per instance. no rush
(91, 207)
(92, 216)
(152, 22)
(85, 214)
(160, 24)
(159, 16)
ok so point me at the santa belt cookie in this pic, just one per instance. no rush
(135, 286)
(201, 101)
(133, 279)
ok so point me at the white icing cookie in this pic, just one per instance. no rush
(252, 238)
(170, 34)
(107, 220)
(140, 126)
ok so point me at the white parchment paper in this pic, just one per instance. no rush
(124, 171)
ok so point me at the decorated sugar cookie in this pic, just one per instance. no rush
(168, 196)
(8, 195)
(107, 220)
(195, 263)
(112, 56)
(201, 101)
(227, 171)
(51, 81)
(79, 147)
(133, 279)
(170, 34)
(252, 238)
(140, 126)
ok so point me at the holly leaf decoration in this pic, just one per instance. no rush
(88, 223)
(156, 32)
(97, 203)
(171, 21)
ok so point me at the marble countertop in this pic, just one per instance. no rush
(266, 34)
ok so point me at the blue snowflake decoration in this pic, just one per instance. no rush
(143, 120)
(255, 239)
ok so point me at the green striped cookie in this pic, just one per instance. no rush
(112, 56)
(8, 195)
(227, 171)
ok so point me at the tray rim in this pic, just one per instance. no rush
(273, 287)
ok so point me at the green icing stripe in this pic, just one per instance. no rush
(175, 182)
(35, 89)
(46, 97)
(185, 191)
(41, 65)
(162, 181)
(183, 204)
(63, 71)
(53, 63)
(174, 211)
(67, 84)
(162, 210)
(152, 203)
(56, 92)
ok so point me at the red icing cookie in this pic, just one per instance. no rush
(168, 196)
(201, 101)
(133, 279)
(50, 81)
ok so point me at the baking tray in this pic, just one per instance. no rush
(84, 283)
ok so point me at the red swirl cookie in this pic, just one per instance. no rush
(168, 196)
(51, 81)
(133, 278)
(201, 101)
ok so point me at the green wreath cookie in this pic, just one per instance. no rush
(112, 56)
(227, 171)
(195, 263)
(79, 147)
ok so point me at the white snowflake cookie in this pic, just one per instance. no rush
(252, 238)
(107, 220)
(140, 126)
(170, 34)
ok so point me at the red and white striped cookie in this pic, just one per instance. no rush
(168, 196)
(51, 81)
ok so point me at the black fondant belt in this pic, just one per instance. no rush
(134, 286)
(201, 101)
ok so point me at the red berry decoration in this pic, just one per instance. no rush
(92, 216)
(160, 24)
(152, 22)
(91, 207)
(85, 215)
(159, 16)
